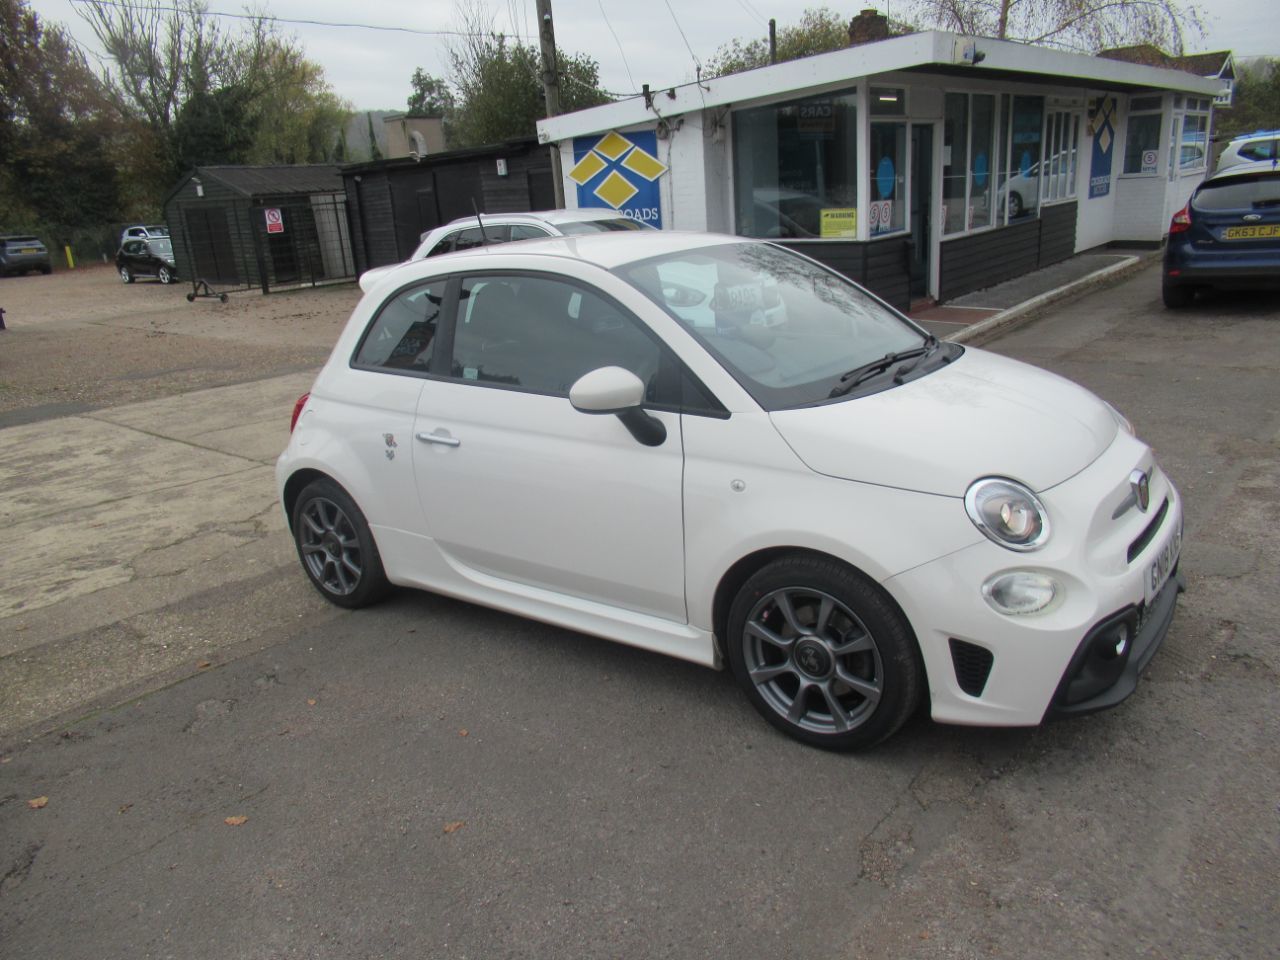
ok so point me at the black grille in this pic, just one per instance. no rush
(1149, 533)
(973, 666)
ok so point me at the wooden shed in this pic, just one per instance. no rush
(393, 202)
(261, 226)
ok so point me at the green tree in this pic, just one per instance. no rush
(820, 30)
(500, 89)
(59, 136)
(1091, 25)
(1255, 102)
(431, 97)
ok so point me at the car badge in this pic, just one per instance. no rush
(1141, 488)
(1251, 217)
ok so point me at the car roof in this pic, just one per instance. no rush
(544, 216)
(19, 236)
(606, 250)
(1256, 135)
(1244, 169)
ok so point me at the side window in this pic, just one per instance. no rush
(477, 237)
(522, 231)
(402, 335)
(1261, 150)
(444, 246)
(542, 334)
(133, 248)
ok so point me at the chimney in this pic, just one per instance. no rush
(867, 27)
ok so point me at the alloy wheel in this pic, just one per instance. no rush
(812, 660)
(330, 547)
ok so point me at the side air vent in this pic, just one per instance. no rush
(972, 664)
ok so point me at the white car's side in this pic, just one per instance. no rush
(937, 522)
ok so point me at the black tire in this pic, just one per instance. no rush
(1015, 204)
(46, 270)
(164, 275)
(222, 298)
(191, 298)
(842, 627)
(1175, 296)
(336, 547)
(126, 275)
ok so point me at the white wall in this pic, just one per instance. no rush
(1095, 222)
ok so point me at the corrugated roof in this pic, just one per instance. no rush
(277, 180)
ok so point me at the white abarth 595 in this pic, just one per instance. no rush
(718, 449)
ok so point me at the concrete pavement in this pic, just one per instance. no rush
(114, 520)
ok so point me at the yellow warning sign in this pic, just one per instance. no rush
(839, 222)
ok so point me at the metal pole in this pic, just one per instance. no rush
(551, 88)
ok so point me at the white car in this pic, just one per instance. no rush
(1250, 147)
(143, 231)
(467, 232)
(855, 517)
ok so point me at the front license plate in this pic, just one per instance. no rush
(28, 250)
(1162, 564)
(1251, 233)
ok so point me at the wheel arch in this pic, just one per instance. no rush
(294, 486)
(746, 567)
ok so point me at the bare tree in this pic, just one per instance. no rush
(1078, 24)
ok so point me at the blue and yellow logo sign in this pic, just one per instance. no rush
(620, 173)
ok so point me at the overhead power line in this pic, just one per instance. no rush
(622, 53)
(141, 7)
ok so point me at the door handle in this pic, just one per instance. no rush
(440, 438)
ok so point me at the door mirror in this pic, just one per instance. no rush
(618, 391)
(607, 390)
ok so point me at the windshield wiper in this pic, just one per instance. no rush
(878, 366)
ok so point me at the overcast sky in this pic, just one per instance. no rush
(371, 68)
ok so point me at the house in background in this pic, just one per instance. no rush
(1214, 66)
(924, 166)
(412, 136)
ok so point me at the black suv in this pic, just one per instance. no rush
(147, 258)
(20, 253)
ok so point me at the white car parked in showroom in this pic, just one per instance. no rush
(856, 517)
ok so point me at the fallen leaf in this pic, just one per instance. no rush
(311, 701)
(38, 803)
(463, 732)
(5, 759)
(125, 808)
(203, 665)
(235, 821)
(454, 826)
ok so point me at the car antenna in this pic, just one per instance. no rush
(483, 236)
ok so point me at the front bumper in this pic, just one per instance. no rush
(991, 669)
(1097, 678)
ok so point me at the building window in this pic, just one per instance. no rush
(1061, 151)
(795, 168)
(1195, 142)
(968, 161)
(955, 161)
(1142, 135)
(982, 190)
(887, 210)
(1020, 189)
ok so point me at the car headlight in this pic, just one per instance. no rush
(1007, 513)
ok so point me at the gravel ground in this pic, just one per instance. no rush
(81, 340)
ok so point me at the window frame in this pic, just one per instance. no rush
(676, 380)
(998, 120)
(1130, 116)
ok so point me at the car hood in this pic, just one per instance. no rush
(982, 415)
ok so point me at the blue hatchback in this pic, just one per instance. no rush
(1227, 236)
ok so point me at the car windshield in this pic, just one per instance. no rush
(1238, 193)
(599, 226)
(161, 248)
(790, 331)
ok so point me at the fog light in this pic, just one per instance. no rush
(1020, 592)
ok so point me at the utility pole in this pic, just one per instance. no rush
(773, 40)
(551, 87)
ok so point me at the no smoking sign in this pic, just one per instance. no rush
(275, 220)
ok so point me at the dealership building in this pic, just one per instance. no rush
(924, 166)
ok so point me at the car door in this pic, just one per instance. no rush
(518, 485)
(136, 259)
